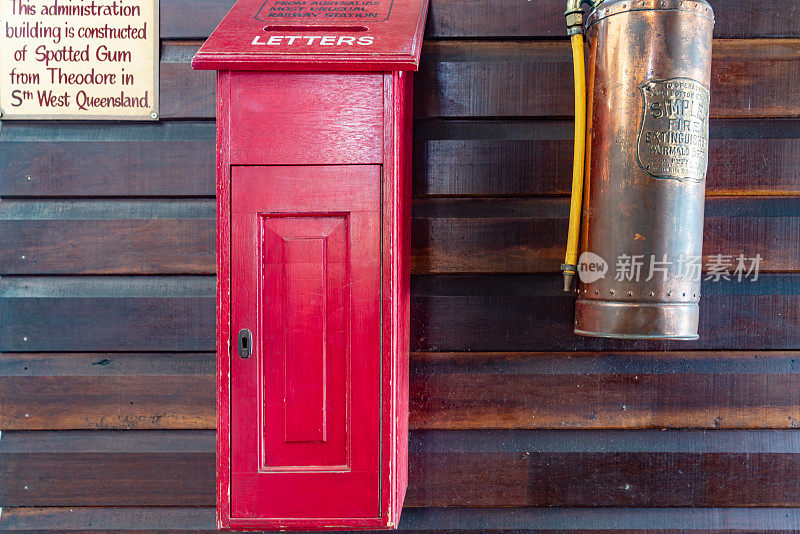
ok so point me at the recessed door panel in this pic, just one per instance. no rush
(304, 300)
(305, 406)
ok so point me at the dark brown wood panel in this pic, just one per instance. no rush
(61, 391)
(524, 79)
(107, 313)
(528, 235)
(453, 468)
(46, 159)
(453, 157)
(608, 390)
(476, 235)
(185, 93)
(533, 79)
(119, 520)
(532, 313)
(107, 468)
(191, 19)
(544, 18)
(200, 520)
(530, 157)
(448, 313)
(502, 18)
(58, 391)
(107, 237)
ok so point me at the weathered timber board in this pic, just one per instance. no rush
(524, 79)
(69, 391)
(451, 468)
(451, 157)
(448, 313)
(476, 235)
(502, 18)
(200, 520)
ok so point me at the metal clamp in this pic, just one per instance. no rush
(574, 14)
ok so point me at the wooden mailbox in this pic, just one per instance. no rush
(313, 200)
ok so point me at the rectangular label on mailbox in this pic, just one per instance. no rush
(324, 11)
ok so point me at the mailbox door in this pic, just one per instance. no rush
(305, 284)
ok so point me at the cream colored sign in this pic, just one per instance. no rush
(79, 59)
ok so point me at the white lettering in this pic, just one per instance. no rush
(325, 40)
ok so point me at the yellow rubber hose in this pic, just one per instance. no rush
(571, 256)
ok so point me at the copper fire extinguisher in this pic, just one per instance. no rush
(646, 152)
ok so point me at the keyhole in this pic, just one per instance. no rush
(244, 343)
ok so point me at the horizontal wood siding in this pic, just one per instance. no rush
(479, 391)
(195, 19)
(451, 158)
(471, 235)
(107, 370)
(641, 468)
(448, 313)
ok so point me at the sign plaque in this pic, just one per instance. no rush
(79, 59)
(672, 141)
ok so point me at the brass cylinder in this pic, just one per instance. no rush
(647, 153)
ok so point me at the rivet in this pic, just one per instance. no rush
(630, 293)
(154, 115)
(24, 338)
(652, 294)
(596, 292)
(684, 294)
(23, 256)
(669, 293)
(612, 291)
(28, 178)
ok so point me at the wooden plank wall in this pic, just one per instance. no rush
(107, 391)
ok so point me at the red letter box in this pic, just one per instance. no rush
(313, 163)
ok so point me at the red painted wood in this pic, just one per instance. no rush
(314, 189)
(223, 301)
(314, 251)
(305, 301)
(312, 309)
(313, 320)
(385, 35)
(310, 118)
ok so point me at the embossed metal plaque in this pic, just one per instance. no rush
(673, 133)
